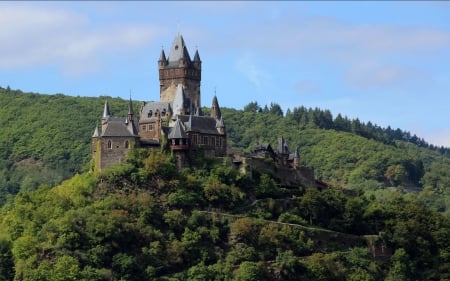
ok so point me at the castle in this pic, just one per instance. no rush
(175, 122)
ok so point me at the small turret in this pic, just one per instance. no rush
(215, 109)
(197, 62)
(105, 117)
(130, 110)
(96, 133)
(106, 112)
(162, 62)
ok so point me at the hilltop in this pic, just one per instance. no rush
(144, 219)
(46, 138)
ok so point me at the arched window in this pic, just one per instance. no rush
(109, 145)
(127, 144)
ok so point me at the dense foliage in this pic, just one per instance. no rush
(346, 158)
(143, 220)
(46, 138)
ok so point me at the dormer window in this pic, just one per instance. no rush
(149, 114)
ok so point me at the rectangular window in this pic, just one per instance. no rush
(144, 127)
(150, 127)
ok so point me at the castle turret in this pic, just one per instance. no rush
(162, 62)
(197, 62)
(130, 111)
(215, 109)
(179, 69)
(106, 115)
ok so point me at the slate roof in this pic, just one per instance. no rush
(199, 124)
(179, 100)
(196, 56)
(117, 127)
(154, 106)
(106, 112)
(178, 51)
(177, 132)
(96, 134)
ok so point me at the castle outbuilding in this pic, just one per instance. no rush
(177, 117)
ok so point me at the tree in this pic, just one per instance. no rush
(275, 109)
(250, 271)
(252, 107)
(6, 261)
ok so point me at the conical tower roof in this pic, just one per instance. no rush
(196, 56)
(215, 109)
(96, 133)
(177, 132)
(179, 50)
(162, 57)
(106, 112)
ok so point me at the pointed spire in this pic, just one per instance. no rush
(106, 112)
(179, 50)
(196, 56)
(130, 109)
(96, 133)
(177, 132)
(215, 109)
(162, 57)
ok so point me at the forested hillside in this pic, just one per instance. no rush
(46, 138)
(144, 220)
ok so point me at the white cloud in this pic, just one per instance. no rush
(373, 75)
(253, 71)
(33, 36)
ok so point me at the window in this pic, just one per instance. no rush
(144, 127)
(150, 127)
(109, 145)
(127, 144)
(149, 114)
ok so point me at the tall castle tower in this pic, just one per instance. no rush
(178, 68)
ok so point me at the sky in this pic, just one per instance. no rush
(383, 62)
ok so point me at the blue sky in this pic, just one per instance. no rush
(384, 62)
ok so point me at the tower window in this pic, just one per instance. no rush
(109, 145)
(176, 47)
